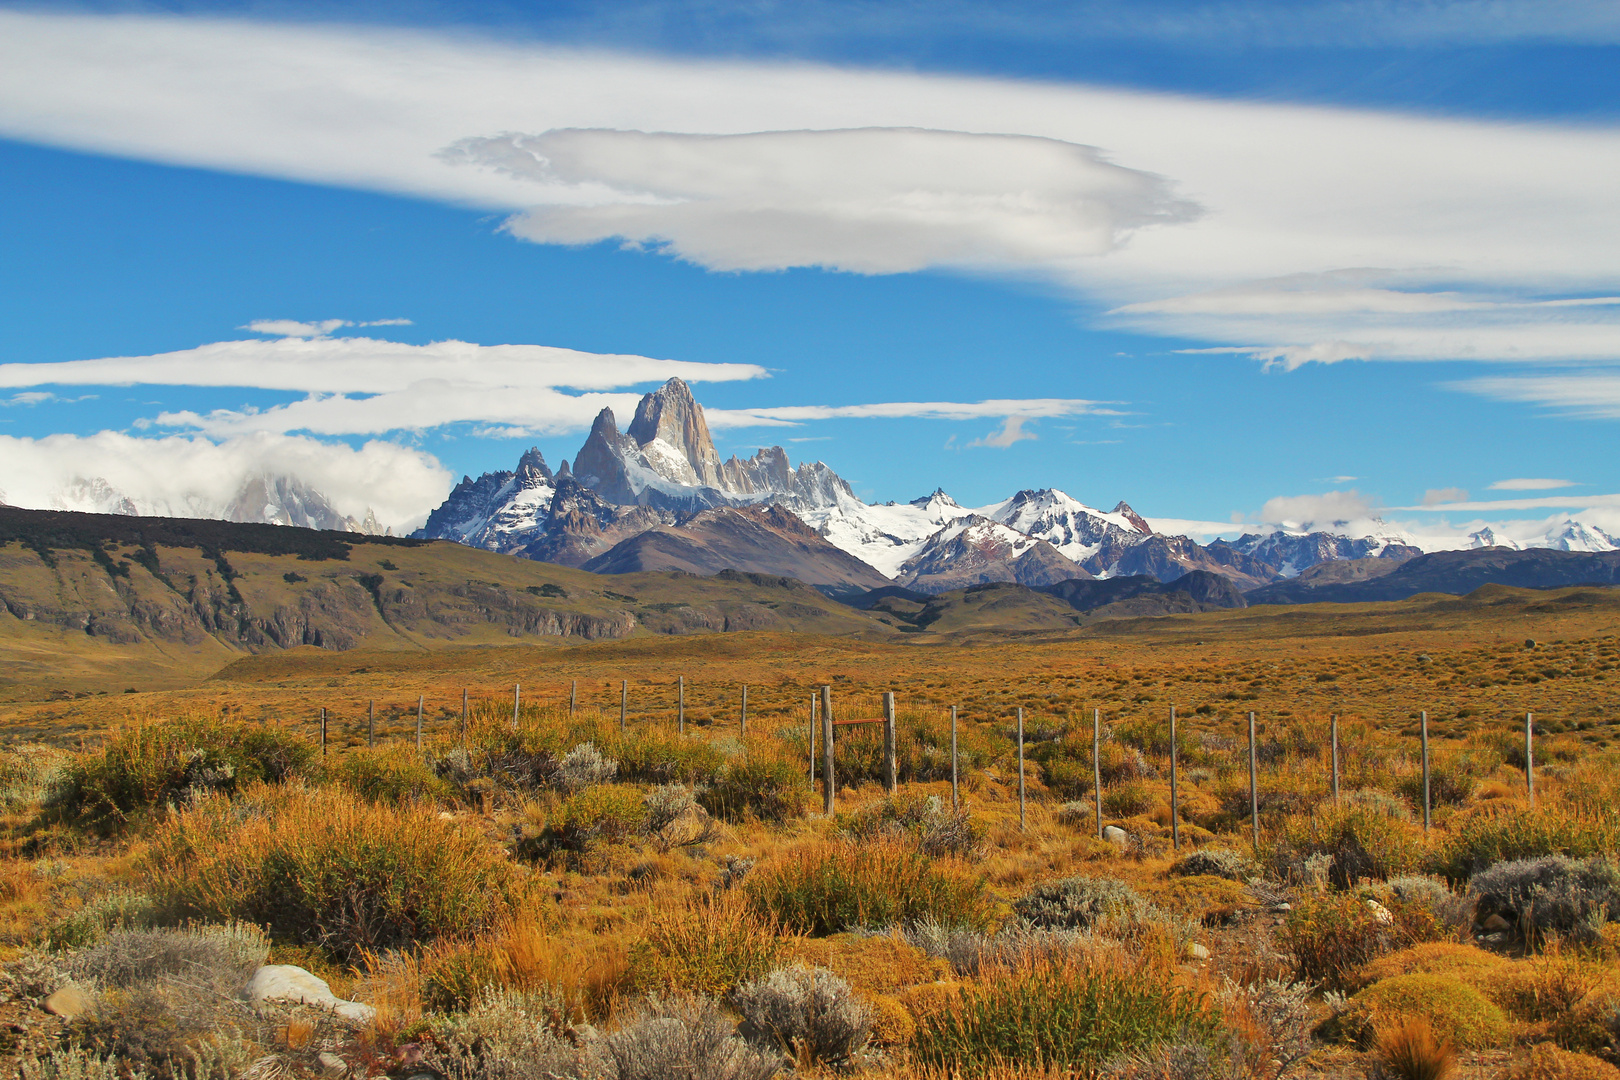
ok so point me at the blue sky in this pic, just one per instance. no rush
(1323, 262)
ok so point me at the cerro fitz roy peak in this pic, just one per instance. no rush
(658, 496)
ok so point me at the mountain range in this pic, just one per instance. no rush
(658, 496)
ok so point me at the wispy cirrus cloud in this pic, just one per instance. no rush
(1530, 484)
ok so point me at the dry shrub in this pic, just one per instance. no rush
(919, 819)
(1548, 1062)
(1014, 944)
(1544, 987)
(1203, 898)
(829, 887)
(513, 1035)
(1497, 832)
(1466, 962)
(1215, 862)
(1269, 1027)
(218, 958)
(1451, 1006)
(1068, 1014)
(1408, 1049)
(1079, 903)
(808, 1014)
(709, 945)
(392, 774)
(1551, 896)
(1359, 843)
(314, 865)
(1593, 1025)
(1333, 936)
(684, 1037)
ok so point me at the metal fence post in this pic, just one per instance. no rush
(1334, 729)
(742, 717)
(828, 781)
(891, 776)
(955, 797)
(419, 723)
(1020, 768)
(1530, 759)
(371, 723)
(1175, 823)
(680, 704)
(323, 733)
(1096, 766)
(1423, 734)
(624, 700)
(1254, 788)
(573, 697)
(517, 697)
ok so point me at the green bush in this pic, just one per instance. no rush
(1491, 834)
(391, 774)
(756, 787)
(1450, 784)
(146, 768)
(1130, 799)
(1451, 1006)
(1333, 936)
(1079, 903)
(1058, 1016)
(316, 866)
(658, 758)
(1359, 843)
(832, 887)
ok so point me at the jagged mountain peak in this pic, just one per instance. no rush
(937, 499)
(670, 430)
(532, 471)
(1123, 509)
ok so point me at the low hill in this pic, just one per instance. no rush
(109, 602)
(770, 541)
(1455, 572)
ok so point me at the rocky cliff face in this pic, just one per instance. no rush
(977, 551)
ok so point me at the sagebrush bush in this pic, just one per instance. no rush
(1551, 895)
(221, 958)
(149, 767)
(709, 945)
(756, 787)
(1079, 903)
(1014, 945)
(1215, 862)
(1497, 832)
(160, 1032)
(583, 767)
(688, 1037)
(391, 774)
(829, 887)
(1061, 1015)
(118, 909)
(1449, 1005)
(314, 865)
(73, 1063)
(1413, 894)
(513, 1035)
(1332, 936)
(809, 1014)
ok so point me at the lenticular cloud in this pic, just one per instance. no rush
(867, 200)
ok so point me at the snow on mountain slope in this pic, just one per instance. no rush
(883, 536)
(1078, 531)
(976, 550)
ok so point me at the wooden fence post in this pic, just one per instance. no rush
(371, 723)
(624, 700)
(891, 774)
(828, 781)
(463, 716)
(323, 733)
(1020, 768)
(1334, 731)
(1254, 789)
(955, 797)
(1096, 766)
(419, 724)
(517, 697)
(742, 717)
(1423, 734)
(1175, 823)
(680, 705)
(573, 697)
(813, 704)
(1530, 759)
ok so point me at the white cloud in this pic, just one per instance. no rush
(30, 397)
(191, 476)
(1316, 511)
(871, 200)
(1011, 431)
(365, 386)
(1588, 394)
(1573, 502)
(1436, 496)
(999, 408)
(294, 328)
(1530, 484)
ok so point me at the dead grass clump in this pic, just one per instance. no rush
(392, 774)
(1545, 1061)
(1207, 899)
(314, 865)
(1408, 1049)
(828, 887)
(873, 963)
(1358, 843)
(920, 819)
(687, 1037)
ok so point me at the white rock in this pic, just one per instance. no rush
(1380, 913)
(1197, 951)
(288, 983)
(331, 1064)
(1116, 836)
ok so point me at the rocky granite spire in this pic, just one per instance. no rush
(671, 416)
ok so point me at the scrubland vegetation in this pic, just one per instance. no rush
(565, 898)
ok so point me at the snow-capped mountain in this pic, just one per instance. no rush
(975, 550)
(1574, 535)
(1292, 552)
(1080, 532)
(268, 499)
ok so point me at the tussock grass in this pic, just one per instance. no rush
(828, 887)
